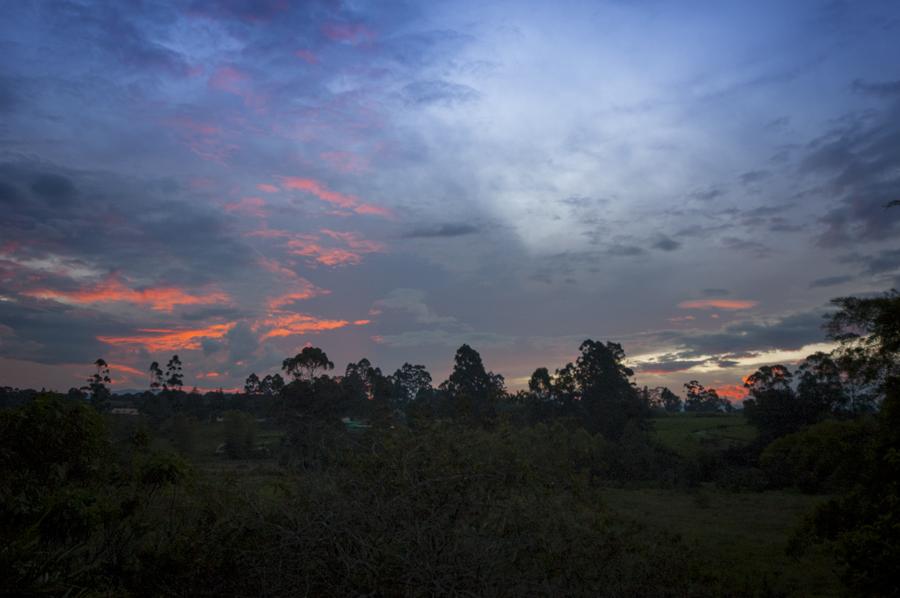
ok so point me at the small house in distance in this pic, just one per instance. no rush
(130, 411)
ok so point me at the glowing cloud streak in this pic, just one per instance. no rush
(113, 290)
(166, 339)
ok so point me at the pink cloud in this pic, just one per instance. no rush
(348, 33)
(202, 138)
(267, 188)
(727, 304)
(254, 206)
(348, 202)
(307, 55)
(231, 80)
(319, 190)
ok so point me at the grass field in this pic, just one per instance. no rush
(688, 433)
(747, 533)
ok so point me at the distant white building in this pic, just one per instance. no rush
(124, 411)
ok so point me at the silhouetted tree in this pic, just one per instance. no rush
(700, 398)
(271, 385)
(663, 398)
(306, 363)
(96, 386)
(156, 376)
(541, 385)
(252, 385)
(473, 390)
(410, 382)
(174, 374)
(773, 408)
(820, 389)
(609, 399)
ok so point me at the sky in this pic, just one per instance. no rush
(232, 181)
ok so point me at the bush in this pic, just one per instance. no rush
(823, 457)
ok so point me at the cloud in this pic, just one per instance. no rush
(665, 243)
(439, 92)
(114, 290)
(737, 339)
(53, 188)
(881, 89)
(168, 339)
(708, 194)
(859, 163)
(830, 281)
(754, 176)
(726, 304)
(755, 248)
(442, 230)
(411, 302)
(348, 202)
(280, 325)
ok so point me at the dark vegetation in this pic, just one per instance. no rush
(318, 484)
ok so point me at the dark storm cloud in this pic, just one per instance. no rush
(250, 11)
(665, 243)
(144, 231)
(787, 333)
(778, 124)
(8, 97)
(123, 34)
(881, 89)
(48, 332)
(623, 250)
(53, 188)
(438, 92)
(754, 176)
(830, 281)
(669, 363)
(860, 161)
(452, 229)
(754, 248)
(879, 263)
(708, 194)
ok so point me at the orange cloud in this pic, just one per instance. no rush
(292, 324)
(302, 288)
(728, 304)
(165, 339)
(288, 298)
(309, 246)
(113, 290)
(126, 369)
(732, 392)
(347, 202)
